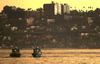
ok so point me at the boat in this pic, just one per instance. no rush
(37, 52)
(15, 53)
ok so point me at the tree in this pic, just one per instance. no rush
(74, 12)
(29, 9)
(75, 8)
(6, 9)
(19, 9)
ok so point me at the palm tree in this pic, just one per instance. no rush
(88, 7)
(79, 10)
(75, 8)
(83, 7)
(92, 8)
(86, 11)
(71, 7)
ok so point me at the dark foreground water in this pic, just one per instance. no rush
(53, 56)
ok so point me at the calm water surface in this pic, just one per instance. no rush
(53, 56)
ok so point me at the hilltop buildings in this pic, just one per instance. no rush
(48, 11)
(55, 9)
(25, 14)
(52, 11)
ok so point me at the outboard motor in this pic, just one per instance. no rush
(37, 52)
(15, 52)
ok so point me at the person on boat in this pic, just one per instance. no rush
(16, 47)
(37, 47)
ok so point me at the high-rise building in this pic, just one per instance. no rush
(58, 8)
(66, 8)
(55, 8)
(62, 8)
(52, 9)
(48, 10)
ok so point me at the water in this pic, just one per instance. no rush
(53, 56)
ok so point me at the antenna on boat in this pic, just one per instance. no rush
(36, 42)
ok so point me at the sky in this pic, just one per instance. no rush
(34, 4)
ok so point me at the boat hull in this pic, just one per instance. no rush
(15, 55)
(37, 55)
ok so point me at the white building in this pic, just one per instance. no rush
(66, 8)
(57, 9)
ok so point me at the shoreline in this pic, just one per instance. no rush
(51, 49)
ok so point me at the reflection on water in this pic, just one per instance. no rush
(52, 57)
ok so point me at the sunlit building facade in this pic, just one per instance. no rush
(55, 9)
(58, 8)
(66, 8)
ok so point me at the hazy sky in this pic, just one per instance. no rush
(34, 4)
